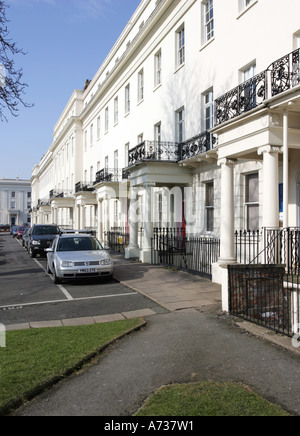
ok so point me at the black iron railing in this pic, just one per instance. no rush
(282, 246)
(195, 146)
(267, 291)
(153, 151)
(259, 294)
(281, 76)
(110, 175)
(117, 239)
(171, 151)
(66, 193)
(195, 254)
(247, 246)
(84, 187)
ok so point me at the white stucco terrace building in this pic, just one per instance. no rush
(192, 120)
(15, 201)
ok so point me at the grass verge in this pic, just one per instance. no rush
(208, 399)
(35, 359)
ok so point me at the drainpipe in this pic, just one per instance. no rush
(285, 171)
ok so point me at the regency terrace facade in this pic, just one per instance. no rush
(192, 120)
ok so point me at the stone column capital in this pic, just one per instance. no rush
(268, 149)
(226, 161)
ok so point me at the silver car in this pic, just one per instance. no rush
(77, 256)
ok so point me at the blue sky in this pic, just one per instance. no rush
(65, 42)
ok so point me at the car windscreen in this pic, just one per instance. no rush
(46, 230)
(78, 244)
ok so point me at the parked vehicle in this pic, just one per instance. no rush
(13, 230)
(4, 228)
(19, 232)
(25, 238)
(41, 237)
(77, 256)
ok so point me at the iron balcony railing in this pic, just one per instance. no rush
(197, 145)
(84, 187)
(171, 151)
(153, 151)
(281, 76)
(65, 193)
(110, 175)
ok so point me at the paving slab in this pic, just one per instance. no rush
(45, 324)
(78, 321)
(168, 287)
(108, 318)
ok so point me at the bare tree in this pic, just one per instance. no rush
(12, 87)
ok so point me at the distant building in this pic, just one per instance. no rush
(15, 201)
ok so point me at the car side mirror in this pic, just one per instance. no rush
(49, 250)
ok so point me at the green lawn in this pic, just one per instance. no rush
(208, 399)
(37, 358)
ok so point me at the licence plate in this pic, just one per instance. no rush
(88, 270)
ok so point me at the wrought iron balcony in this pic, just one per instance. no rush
(110, 175)
(84, 187)
(281, 76)
(153, 151)
(197, 145)
(66, 193)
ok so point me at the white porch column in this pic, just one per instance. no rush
(107, 214)
(82, 216)
(133, 250)
(270, 185)
(55, 215)
(227, 254)
(285, 170)
(77, 216)
(99, 220)
(145, 255)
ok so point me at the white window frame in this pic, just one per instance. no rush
(127, 99)
(209, 208)
(208, 113)
(116, 110)
(180, 125)
(98, 127)
(180, 46)
(158, 69)
(91, 135)
(85, 140)
(106, 119)
(141, 84)
(127, 147)
(244, 6)
(247, 203)
(140, 138)
(209, 24)
(157, 132)
(116, 160)
(246, 74)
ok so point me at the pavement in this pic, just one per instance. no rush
(190, 340)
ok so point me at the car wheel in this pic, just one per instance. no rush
(48, 269)
(31, 253)
(57, 280)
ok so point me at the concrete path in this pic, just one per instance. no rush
(170, 288)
